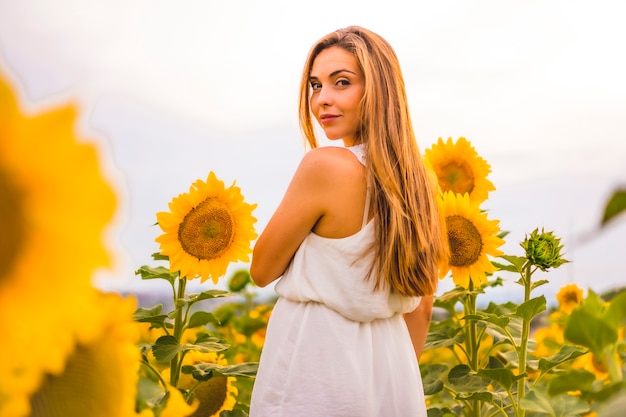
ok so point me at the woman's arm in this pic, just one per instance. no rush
(299, 210)
(325, 192)
(418, 321)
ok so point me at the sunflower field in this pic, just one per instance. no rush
(69, 349)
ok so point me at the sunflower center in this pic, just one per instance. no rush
(12, 224)
(77, 392)
(457, 177)
(571, 297)
(465, 241)
(212, 395)
(207, 230)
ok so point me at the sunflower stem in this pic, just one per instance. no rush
(523, 348)
(612, 364)
(179, 326)
(470, 309)
(156, 373)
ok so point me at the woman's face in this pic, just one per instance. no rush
(337, 86)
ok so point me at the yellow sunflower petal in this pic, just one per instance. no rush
(472, 238)
(459, 168)
(177, 406)
(208, 228)
(54, 206)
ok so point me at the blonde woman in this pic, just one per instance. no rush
(354, 245)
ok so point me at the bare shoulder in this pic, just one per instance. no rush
(331, 162)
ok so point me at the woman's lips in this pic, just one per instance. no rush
(327, 118)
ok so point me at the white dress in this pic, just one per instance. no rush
(334, 347)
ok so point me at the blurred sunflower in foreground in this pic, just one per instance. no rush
(207, 228)
(460, 169)
(472, 237)
(56, 328)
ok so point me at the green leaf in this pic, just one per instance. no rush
(201, 318)
(594, 303)
(431, 378)
(516, 261)
(566, 353)
(513, 329)
(166, 347)
(577, 379)
(562, 405)
(158, 257)
(432, 386)
(484, 396)
(529, 309)
(440, 412)
(208, 295)
(499, 321)
(462, 378)
(498, 282)
(502, 376)
(538, 283)
(615, 206)
(503, 267)
(590, 331)
(606, 392)
(452, 296)
(205, 370)
(159, 272)
(150, 315)
(444, 337)
(433, 370)
(616, 312)
(149, 393)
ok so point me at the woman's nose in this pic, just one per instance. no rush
(324, 96)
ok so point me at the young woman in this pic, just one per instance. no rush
(355, 242)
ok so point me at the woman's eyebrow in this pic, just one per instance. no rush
(334, 73)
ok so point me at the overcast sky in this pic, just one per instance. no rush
(172, 90)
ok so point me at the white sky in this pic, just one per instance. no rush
(173, 90)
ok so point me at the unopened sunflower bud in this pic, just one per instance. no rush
(239, 280)
(543, 250)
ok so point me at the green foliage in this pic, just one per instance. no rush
(615, 206)
(168, 351)
(481, 362)
(561, 405)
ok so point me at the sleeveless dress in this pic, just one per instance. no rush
(334, 347)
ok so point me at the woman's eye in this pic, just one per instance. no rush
(315, 85)
(343, 82)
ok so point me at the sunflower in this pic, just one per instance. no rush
(569, 297)
(54, 207)
(548, 340)
(460, 169)
(207, 228)
(100, 375)
(593, 364)
(214, 395)
(472, 237)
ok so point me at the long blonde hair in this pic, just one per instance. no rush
(409, 229)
